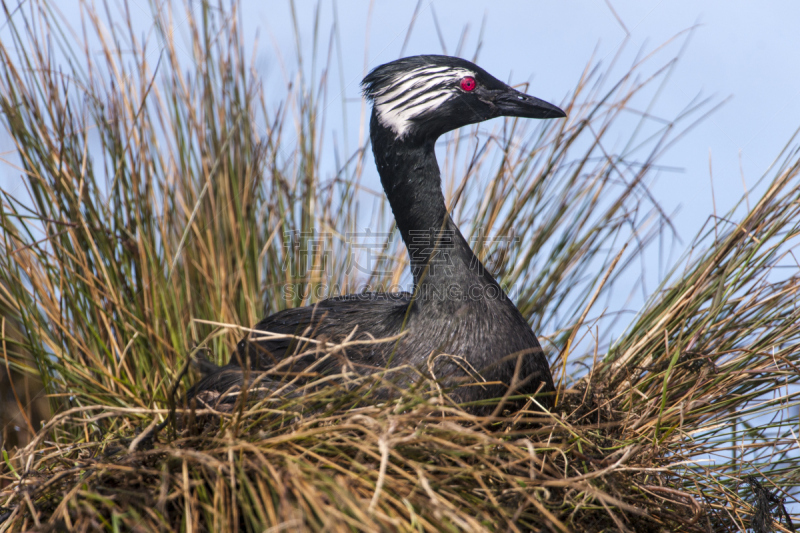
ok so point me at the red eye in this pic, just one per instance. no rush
(468, 83)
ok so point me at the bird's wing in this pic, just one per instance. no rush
(378, 314)
(399, 297)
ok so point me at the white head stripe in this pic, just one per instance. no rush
(414, 93)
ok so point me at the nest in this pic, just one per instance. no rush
(328, 460)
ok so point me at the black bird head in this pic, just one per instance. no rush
(426, 96)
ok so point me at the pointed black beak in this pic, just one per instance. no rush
(512, 103)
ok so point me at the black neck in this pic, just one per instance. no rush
(440, 256)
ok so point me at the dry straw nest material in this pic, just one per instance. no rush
(410, 464)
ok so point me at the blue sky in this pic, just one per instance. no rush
(743, 53)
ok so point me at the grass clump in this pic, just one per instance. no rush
(149, 223)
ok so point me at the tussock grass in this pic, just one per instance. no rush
(149, 222)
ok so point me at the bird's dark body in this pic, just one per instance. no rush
(458, 327)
